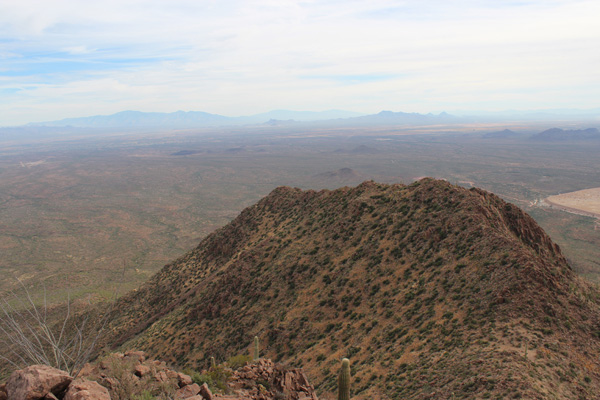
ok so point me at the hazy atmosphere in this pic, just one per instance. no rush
(303, 200)
(61, 59)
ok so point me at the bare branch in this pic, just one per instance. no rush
(29, 337)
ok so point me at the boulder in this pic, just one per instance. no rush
(83, 389)
(3, 394)
(139, 356)
(283, 382)
(88, 369)
(184, 379)
(187, 391)
(205, 392)
(142, 370)
(36, 381)
(161, 376)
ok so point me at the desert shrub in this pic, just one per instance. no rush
(145, 395)
(216, 378)
(123, 384)
(238, 361)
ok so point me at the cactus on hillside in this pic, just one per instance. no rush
(344, 381)
(256, 352)
(213, 363)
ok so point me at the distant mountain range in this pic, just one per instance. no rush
(130, 120)
(193, 119)
(549, 135)
(199, 119)
(562, 135)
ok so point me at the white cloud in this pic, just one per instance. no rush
(241, 57)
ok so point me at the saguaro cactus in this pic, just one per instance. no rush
(344, 381)
(213, 363)
(256, 352)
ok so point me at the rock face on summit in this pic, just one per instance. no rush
(431, 290)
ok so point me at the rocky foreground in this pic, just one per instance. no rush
(133, 376)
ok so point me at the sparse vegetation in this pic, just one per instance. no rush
(216, 378)
(119, 375)
(63, 337)
(68, 215)
(444, 313)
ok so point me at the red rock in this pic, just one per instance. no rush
(83, 389)
(140, 356)
(187, 391)
(184, 379)
(3, 394)
(289, 383)
(205, 392)
(172, 375)
(142, 370)
(161, 376)
(35, 382)
(87, 369)
(110, 382)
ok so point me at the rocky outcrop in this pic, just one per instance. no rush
(129, 374)
(187, 391)
(83, 389)
(266, 380)
(132, 372)
(205, 392)
(36, 382)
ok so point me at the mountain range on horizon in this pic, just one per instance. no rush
(193, 119)
(198, 119)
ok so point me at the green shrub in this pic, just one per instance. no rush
(238, 361)
(216, 378)
(145, 395)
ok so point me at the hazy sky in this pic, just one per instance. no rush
(61, 58)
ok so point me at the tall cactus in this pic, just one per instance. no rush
(344, 381)
(213, 363)
(256, 352)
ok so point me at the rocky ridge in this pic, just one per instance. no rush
(432, 290)
(132, 375)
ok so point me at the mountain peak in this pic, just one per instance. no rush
(411, 282)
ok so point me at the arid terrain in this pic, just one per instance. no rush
(80, 211)
(432, 290)
(585, 202)
(465, 294)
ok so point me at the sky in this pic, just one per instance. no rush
(74, 58)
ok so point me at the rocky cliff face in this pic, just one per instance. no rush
(431, 290)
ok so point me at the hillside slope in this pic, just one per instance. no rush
(430, 289)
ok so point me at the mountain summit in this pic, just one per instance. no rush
(431, 290)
